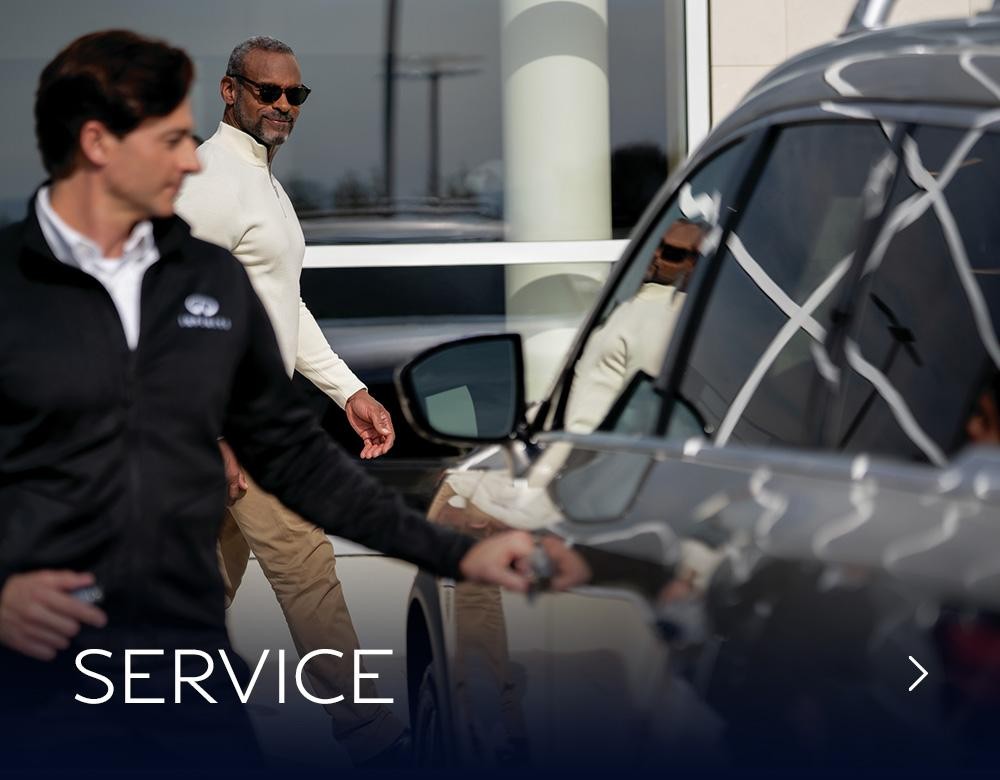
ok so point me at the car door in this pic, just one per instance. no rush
(506, 661)
(831, 570)
(746, 366)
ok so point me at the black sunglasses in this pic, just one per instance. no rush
(271, 93)
(675, 254)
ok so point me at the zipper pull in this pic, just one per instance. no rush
(274, 188)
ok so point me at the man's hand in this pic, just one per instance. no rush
(38, 616)
(505, 559)
(569, 567)
(236, 481)
(371, 422)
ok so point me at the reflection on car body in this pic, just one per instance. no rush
(797, 493)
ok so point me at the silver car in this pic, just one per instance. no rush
(772, 448)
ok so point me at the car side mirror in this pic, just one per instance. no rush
(469, 391)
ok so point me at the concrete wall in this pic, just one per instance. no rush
(749, 37)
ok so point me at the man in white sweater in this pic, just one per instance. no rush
(236, 202)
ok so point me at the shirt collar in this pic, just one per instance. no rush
(73, 248)
(243, 144)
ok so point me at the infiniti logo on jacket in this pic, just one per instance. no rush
(201, 311)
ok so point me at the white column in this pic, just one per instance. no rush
(556, 126)
(557, 154)
(699, 89)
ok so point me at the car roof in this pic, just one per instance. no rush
(949, 63)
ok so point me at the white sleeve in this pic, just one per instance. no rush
(211, 207)
(318, 363)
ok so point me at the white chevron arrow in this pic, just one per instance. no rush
(923, 671)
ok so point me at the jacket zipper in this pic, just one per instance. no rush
(140, 534)
(128, 570)
(132, 567)
(134, 564)
(274, 189)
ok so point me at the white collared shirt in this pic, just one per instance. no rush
(120, 276)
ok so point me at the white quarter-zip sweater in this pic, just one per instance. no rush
(236, 202)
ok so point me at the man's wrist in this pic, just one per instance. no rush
(355, 394)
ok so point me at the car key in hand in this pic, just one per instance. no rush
(92, 594)
(541, 570)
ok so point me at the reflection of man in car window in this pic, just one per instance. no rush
(635, 336)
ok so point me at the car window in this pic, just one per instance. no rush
(754, 370)
(638, 319)
(922, 352)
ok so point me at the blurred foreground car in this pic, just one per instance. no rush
(771, 446)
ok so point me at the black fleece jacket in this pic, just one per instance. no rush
(109, 459)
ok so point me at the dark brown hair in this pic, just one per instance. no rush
(118, 78)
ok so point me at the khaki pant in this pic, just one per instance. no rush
(298, 561)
